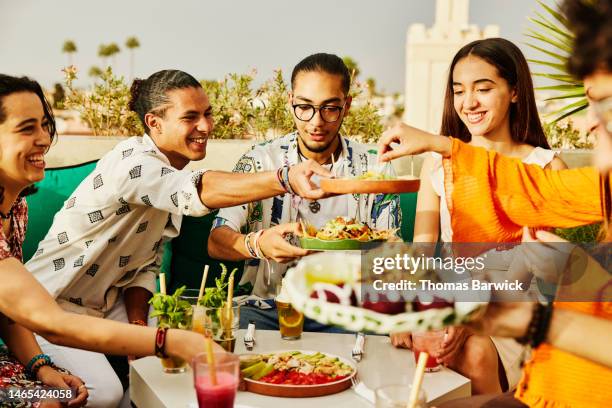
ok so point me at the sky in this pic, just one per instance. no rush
(210, 38)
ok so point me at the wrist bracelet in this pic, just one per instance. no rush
(138, 322)
(34, 359)
(285, 177)
(538, 326)
(36, 368)
(247, 244)
(160, 342)
(542, 331)
(258, 251)
(279, 176)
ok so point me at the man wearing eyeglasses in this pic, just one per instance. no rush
(261, 232)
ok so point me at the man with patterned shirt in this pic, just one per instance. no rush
(101, 255)
(319, 100)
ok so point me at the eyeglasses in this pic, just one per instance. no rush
(329, 113)
(603, 110)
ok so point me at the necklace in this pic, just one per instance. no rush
(314, 206)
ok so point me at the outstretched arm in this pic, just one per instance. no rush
(39, 313)
(222, 189)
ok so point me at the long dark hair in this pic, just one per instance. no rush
(10, 85)
(149, 95)
(507, 58)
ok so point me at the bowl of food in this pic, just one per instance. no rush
(296, 373)
(342, 233)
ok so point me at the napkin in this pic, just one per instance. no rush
(364, 392)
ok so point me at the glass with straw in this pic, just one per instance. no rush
(172, 312)
(220, 321)
(216, 377)
(404, 395)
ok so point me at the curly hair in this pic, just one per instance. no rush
(591, 23)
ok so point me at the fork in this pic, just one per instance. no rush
(355, 380)
(249, 337)
(357, 352)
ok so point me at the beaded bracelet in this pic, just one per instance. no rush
(37, 366)
(34, 359)
(160, 342)
(538, 326)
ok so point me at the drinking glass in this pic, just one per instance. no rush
(218, 391)
(429, 342)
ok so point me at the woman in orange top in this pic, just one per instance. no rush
(568, 369)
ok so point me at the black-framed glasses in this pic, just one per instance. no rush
(603, 110)
(329, 113)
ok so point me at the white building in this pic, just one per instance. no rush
(429, 52)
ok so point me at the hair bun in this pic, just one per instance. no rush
(135, 93)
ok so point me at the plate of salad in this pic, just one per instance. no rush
(296, 373)
(341, 233)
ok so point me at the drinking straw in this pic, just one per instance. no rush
(229, 314)
(418, 379)
(211, 361)
(162, 283)
(203, 284)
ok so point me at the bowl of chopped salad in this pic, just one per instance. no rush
(342, 233)
(296, 373)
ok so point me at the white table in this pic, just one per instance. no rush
(382, 364)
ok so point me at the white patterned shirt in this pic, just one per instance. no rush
(108, 235)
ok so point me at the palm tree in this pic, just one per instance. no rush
(352, 66)
(106, 51)
(94, 71)
(113, 49)
(132, 43)
(69, 48)
(552, 32)
(103, 53)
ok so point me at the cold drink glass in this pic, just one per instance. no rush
(290, 321)
(218, 391)
(429, 342)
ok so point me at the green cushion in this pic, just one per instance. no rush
(408, 206)
(53, 190)
(190, 255)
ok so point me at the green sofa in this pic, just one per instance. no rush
(184, 256)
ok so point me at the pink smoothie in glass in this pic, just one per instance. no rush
(221, 395)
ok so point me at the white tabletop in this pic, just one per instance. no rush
(382, 364)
